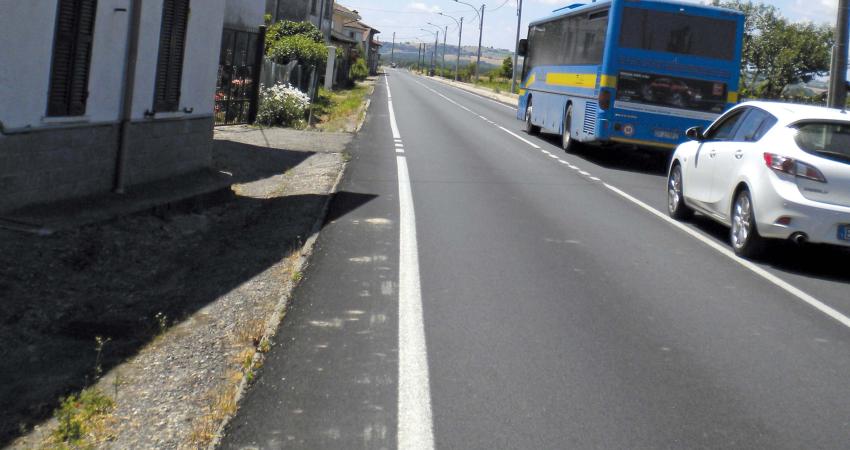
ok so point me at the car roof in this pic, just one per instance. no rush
(788, 113)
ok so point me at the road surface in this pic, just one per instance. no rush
(476, 288)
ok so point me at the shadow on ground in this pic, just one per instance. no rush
(619, 157)
(824, 262)
(62, 291)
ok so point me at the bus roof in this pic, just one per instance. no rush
(577, 8)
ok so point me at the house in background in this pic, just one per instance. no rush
(87, 105)
(347, 40)
(365, 35)
(303, 10)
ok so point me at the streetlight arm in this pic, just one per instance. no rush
(473, 8)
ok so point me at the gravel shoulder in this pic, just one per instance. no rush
(186, 299)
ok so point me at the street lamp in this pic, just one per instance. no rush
(445, 34)
(516, 47)
(459, 36)
(480, 33)
(434, 53)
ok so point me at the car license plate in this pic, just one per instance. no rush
(844, 232)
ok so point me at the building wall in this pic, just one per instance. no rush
(45, 159)
(300, 10)
(244, 14)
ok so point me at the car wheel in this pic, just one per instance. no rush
(530, 128)
(567, 142)
(744, 237)
(676, 206)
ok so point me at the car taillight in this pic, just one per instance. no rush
(793, 167)
(604, 99)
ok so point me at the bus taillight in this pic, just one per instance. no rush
(604, 99)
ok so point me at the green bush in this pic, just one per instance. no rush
(302, 41)
(282, 105)
(359, 71)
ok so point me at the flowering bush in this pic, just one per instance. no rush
(282, 105)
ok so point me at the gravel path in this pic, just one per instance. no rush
(184, 297)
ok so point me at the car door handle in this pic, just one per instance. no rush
(712, 153)
(739, 154)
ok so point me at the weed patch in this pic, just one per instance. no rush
(81, 419)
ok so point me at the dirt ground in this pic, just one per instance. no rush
(170, 291)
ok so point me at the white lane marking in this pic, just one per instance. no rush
(399, 144)
(563, 162)
(533, 145)
(482, 97)
(415, 426)
(553, 156)
(415, 423)
(399, 150)
(780, 283)
(393, 123)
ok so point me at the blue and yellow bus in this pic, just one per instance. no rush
(629, 71)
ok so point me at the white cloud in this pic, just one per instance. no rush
(420, 6)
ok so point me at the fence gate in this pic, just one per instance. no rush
(236, 92)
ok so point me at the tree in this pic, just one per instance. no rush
(776, 52)
(508, 67)
(302, 41)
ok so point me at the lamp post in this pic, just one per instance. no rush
(434, 53)
(459, 36)
(516, 47)
(838, 71)
(445, 33)
(480, 33)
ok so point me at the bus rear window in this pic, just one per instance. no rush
(678, 33)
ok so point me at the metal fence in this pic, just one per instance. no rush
(238, 74)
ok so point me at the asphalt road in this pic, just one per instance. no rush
(556, 309)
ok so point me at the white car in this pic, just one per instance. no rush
(767, 171)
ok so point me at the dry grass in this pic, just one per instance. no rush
(222, 405)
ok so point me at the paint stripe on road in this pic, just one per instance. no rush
(782, 284)
(415, 423)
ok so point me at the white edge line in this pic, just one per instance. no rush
(415, 425)
(782, 284)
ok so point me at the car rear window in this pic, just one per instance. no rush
(826, 139)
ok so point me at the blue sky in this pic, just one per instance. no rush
(407, 17)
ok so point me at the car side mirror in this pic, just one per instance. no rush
(695, 134)
(522, 48)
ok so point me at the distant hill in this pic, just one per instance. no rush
(407, 52)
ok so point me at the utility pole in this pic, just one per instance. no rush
(434, 53)
(480, 35)
(457, 63)
(459, 37)
(418, 54)
(838, 71)
(392, 52)
(516, 47)
(443, 64)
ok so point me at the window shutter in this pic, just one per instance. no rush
(172, 44)
(72, 47)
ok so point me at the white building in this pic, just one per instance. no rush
(100, 94)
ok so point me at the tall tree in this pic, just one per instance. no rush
(508, 67)
(777, 52)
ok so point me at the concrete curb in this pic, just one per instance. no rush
(274, 321)
(303, 262)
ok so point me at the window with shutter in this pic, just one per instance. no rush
(172, 43)
(72, 47)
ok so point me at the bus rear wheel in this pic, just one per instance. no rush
(530, 128)
(567, 142)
